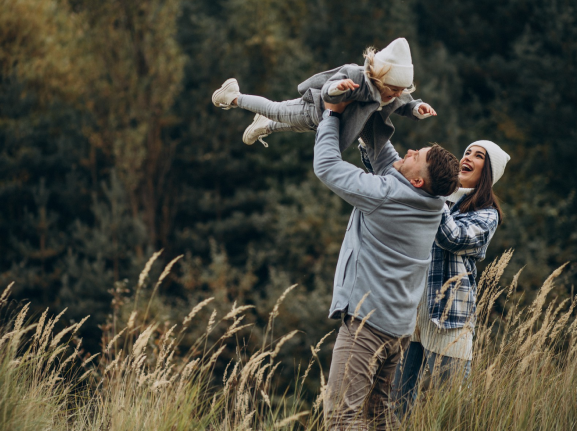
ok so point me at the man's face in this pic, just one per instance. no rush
(413, 166)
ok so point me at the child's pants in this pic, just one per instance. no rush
(291, 115)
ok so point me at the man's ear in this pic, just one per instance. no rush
(417, 182)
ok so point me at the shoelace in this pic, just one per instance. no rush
(263, 142)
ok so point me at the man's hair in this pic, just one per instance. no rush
(442, 178)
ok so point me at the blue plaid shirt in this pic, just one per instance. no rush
(461, 241)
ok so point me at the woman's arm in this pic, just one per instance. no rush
(467, 235)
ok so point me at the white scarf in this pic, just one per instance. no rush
(458, 194)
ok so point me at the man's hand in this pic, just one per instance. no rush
(425, 108)
(347, 84)
(337, 107)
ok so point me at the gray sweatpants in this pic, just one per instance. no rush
(289, 116)
(358, 394)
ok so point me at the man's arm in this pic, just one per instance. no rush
(386, 157)
(362, 190)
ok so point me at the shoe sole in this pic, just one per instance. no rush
(222, 89)
(249, 130)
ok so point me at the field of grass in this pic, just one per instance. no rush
(523, 373)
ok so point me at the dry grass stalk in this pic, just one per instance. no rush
(359, 305)
(441, 293)
(20, 318)
(40, 326)
(5, 294)
(290, 419)
(114, 339)
(214, 357)
(537, 305)
(281, 342)
(314, 352)
(89, 360)
(144, 274)
(167, 270)
(375, 358)
(274, 312)
(270, 375)
(131, 319)
(235, 311)
(195, 310)
(142, 340)
(367, 317)
(265, 398)
(211, 322)
(48, 330)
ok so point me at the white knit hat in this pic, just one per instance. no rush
(396, 57)
(497, 156)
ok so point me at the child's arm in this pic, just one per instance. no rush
(347, 84)
(415, 109)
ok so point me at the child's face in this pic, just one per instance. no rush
(390, 91)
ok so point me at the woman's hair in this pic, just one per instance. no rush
(377, 77)
(483, 195)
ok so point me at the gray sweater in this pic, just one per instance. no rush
(359, 119)
(387, 245)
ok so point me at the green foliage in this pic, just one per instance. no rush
(110, 146)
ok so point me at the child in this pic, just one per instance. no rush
(383, 86)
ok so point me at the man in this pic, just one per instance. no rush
(382, 266)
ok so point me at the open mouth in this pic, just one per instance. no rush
(466, 168)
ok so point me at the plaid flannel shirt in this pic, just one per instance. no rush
(461, 241)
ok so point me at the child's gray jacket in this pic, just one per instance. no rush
(357, 115)
(387, 246)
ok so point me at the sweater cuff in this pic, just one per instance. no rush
(334, 91)
(417, 114)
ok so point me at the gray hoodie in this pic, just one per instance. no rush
(379, 129)
(387, 245)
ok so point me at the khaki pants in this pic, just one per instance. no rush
(362, 370)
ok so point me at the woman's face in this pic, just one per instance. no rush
(472, 165)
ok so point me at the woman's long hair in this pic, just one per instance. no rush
(483, 195)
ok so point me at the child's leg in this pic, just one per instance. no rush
(297, 114)
(261, 127)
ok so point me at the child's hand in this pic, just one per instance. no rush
(347, 84)
(425, 108)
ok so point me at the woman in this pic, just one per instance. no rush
(443, 337)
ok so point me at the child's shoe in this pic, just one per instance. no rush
(223, 97)
(257, 130)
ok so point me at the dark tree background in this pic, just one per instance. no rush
(110, 147)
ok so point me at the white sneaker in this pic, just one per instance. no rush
(228, 91)
(256, 131)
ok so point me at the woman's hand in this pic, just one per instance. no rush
(347, 84)
(425, 108)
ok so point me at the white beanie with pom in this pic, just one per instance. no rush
(497, 157)
(396, 57)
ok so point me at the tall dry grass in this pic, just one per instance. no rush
(523, 372)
